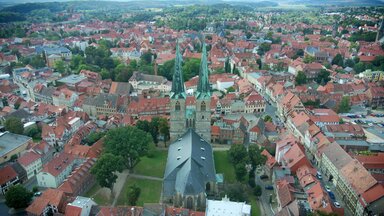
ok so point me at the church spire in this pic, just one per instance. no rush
(203, 88)
(178, 90)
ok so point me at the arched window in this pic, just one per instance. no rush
(189, 203)
(203, 106)
(177, 106)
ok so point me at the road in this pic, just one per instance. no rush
(265, 206)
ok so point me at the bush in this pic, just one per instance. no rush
(257, 191)
(251, 182)
(152, 151)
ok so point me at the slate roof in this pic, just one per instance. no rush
(101, 98)
(189, 166)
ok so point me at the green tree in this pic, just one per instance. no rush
(237, 192)
(344, 105)
(308, 59)
(133, 194)
(258, 61)
(338, 60)
(323, 77)
(238, 154)
(301, 78)
(241, 172)
(257, 191)
(129, 142)
(146, 58)
(349, 63)
(18, 197)
(13, 158)
(255, 156)
(60, 67)
(359, 67)
(164, 129)
(105, 170)
(267, 118)
(263, 48)
(248, 34)
(14, 125)
(191, 68)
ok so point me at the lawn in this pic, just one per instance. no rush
(98, 196)
(223, 165)
(150, 191)
(255, 206)
(154, 166)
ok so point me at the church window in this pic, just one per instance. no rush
(203, 106)
(177, 106)
(202, 117)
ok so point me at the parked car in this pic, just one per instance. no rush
(337, 205)
(327, 188)
(331, 195)
(269, 187)
(263, 177)
(319, 176)
(37, 193)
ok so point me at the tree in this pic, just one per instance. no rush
(191, 68)
(237, 192)
(359, 67)
(60, 67)
(105, 168)
(300, 52)
(146, 58)
(338, 60)
(349, 63)
(248, 34)
(240, 172)
(267, 118)
(18, 197)
(133, 194)
(263, 48)
(258, 61)
(255, 156)
(238, 154)
(257, 191)
(344, 105)
(301, 78)
(164, 129)
(308, 59)
(323, 77)
(129, 142)
(13, 158)
(14, 125)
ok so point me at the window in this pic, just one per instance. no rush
(177, 106)
(203, 106)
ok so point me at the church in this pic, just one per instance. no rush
(183, 116)
(190, 170)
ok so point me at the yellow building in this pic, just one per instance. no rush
(12, 144)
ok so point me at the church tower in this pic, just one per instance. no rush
(178, 97)
(203, 100)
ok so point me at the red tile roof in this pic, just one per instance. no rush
(71, 210)
(373, 194)
(7, 173)
(52, 197)
(58, 164)
(28, 158)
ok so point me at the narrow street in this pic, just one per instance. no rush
(265, 206)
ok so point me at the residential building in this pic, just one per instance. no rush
(50, 202)
(104, 104)
(56, 171)
(227, 207)
(8, 178)
(80, 180)
(31, 162)
(375, 96)
(81, 206)
(141, 82)
(72, 81)
(64, 97)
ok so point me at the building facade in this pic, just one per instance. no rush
(197, 117)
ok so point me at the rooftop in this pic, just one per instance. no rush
(11, 141)
(227, 207)
(72, 79)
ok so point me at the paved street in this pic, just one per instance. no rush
(265, 205)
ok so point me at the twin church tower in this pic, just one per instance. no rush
(196, 116)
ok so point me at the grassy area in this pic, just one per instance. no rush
(98, 197)
(154, 166)
(255, 206)
(150, 191)
(93, 190)
(223, 165)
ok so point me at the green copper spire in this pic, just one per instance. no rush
(178, 90)
(203, 88)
